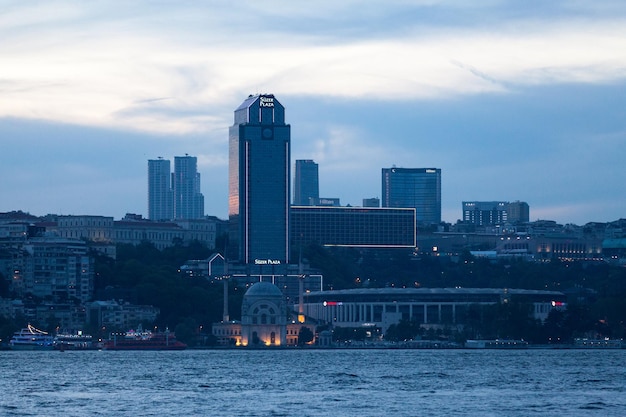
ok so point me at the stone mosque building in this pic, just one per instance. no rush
(264, 320)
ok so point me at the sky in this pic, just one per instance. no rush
(511, 100)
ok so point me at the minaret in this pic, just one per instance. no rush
(225, 316)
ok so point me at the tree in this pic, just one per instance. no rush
(305, 336)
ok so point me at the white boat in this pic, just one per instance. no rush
(31, 338)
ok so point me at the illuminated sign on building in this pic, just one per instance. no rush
(266, 101)
(267, 262)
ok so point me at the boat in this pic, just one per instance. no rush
(75, 341)
(496, 344)
(31, 338)
(144, 340)
(605, 343)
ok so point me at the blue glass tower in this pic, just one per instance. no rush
(258, 182)
(419, 188)
(306, 189)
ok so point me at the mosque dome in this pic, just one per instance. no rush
(263, 289)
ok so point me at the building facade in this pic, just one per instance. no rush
(382, 307)
(188, 200)
(259, 182)
(306, 182)
(160, 194)
(354, 226)
(419, 188)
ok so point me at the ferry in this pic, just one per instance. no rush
(599, 343)
(75, 341)
(496, 344)
(31, 338)
(144, 340)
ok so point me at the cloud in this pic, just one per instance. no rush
(104, 72)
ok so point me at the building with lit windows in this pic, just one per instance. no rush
(306, 183)
(419, 188)
(259, 182)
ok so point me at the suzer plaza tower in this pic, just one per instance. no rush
(258, 182)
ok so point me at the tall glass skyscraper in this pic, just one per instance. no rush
(160, 197)
(259, 182)
(419, 188)
(188, 200)
(306, 187)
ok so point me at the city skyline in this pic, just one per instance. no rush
(511, 102)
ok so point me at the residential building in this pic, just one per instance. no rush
(188, 200)
(160, 193)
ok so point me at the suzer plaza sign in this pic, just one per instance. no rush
(266, 101)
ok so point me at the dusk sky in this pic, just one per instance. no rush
(512, 100)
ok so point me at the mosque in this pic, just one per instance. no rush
(264, 320)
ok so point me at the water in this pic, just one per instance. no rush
(314, 383)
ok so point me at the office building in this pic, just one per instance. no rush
(306, 183)
(518, 212)
(160, 196)
(259, 182)
(354, 226)
(492, 213)
(485, 213)
(419, 188)
(188, 200)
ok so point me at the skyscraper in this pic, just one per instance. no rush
(188, 200)
(259, 182)
(160, 197)
(414, 187)
(306, 187)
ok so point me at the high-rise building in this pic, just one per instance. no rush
(419, 188)
(160, 197)
(259, 182)
(306, 185)
(188, 200)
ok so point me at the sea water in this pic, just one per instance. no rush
(531, 382)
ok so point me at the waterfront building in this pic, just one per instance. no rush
(354, 226)
(382, 307)
(306, 183)
(160, 193)
(265, 320)
(188, 200)
(259, 182)
(419, 188)
(119, 315)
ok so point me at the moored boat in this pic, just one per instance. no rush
(31, 338)
(496, 344)
(144, 340)
(74, 341)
